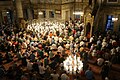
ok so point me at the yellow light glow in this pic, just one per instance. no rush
(40, 13)
(78, 13)
(114, 19)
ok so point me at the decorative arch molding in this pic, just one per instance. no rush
(87, 9)
(88, 19)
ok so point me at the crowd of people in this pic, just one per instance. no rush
(44, 46)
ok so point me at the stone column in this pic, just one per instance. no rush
(71, 13)
(85, 25)
(30, 16)
(19, 13)
(1, 18)
(47, 14)
(19, 9)
(63, 14)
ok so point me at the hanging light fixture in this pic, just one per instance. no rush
(73, 64)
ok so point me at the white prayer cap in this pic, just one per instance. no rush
(106, 78)
(53, 46)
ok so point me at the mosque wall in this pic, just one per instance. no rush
(66, 14)
(48, 9)
(66, 11)
(63, 11)
(109, 11)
